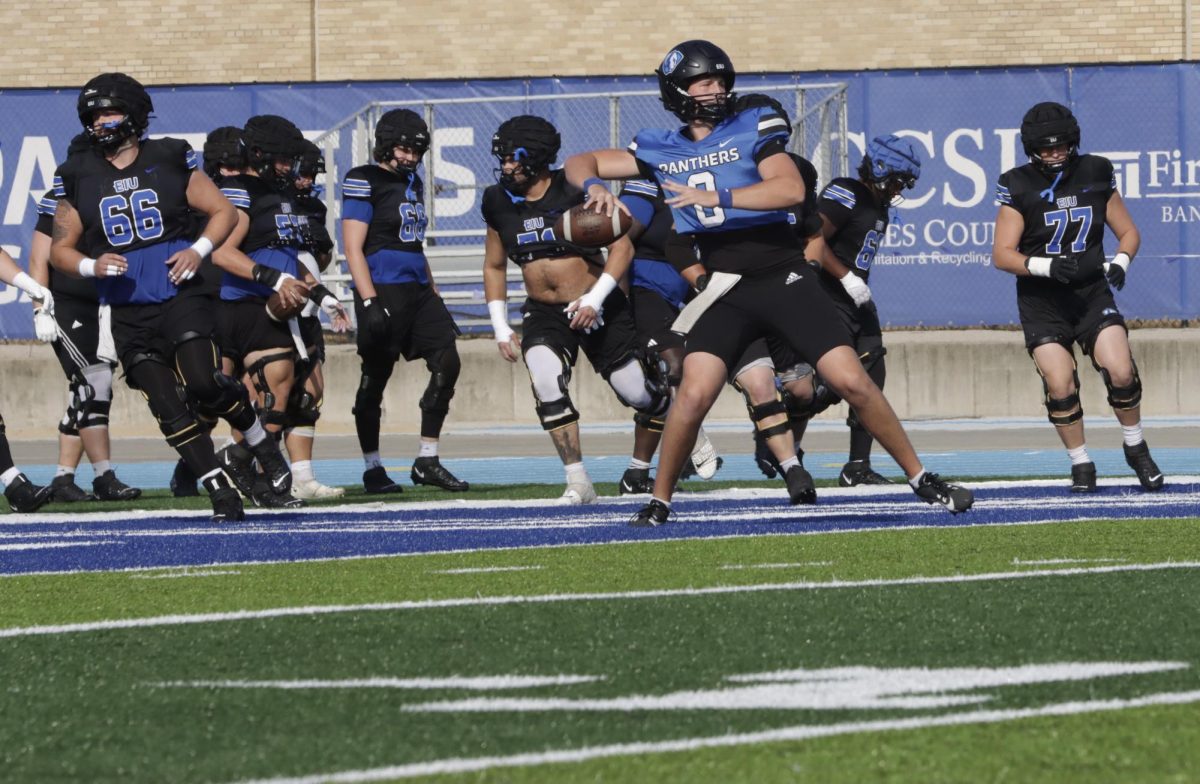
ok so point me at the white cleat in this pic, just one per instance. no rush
(311, 488)
(704, 457)
(578, 493)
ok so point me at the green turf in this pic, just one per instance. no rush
(86, 706)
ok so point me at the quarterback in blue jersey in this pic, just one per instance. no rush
(1050, 236)
(731, 185)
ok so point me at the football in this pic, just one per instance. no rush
(280, 312)
(589, 229)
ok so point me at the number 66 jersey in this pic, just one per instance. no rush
(140, 212)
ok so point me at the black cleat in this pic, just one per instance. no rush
(1083, 478)
(1139, 459)
(764, 457)
(651, 515)
(25, 496)
(859, 472)
(376, 481)
(270, 459)
(63, 490)
(183, 481)
(108, 488)
(226, 503)
(800, 487)
(430, 471)
(237, 461)
(636, 481)
(265, 497)
(933, 490)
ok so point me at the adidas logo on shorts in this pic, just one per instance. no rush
(792, 278)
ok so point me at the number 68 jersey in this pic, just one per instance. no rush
(140, 212)
(1065, 214)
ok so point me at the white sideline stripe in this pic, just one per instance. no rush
(53, 545)
(491, 601)
(735, 567)
(1058, 561)
(174, 575)
(783, 734)
(481, 683)
(486, 570)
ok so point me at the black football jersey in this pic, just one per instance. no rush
(1064, 214)
(277, 232)
(140, 212)
(390, 203)
(61, 284)
(527, 227)
(860, 223)
(318, 239)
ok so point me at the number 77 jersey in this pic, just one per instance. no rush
(725, 159)
(1064, 214)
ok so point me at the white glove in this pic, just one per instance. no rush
(599, 292)
(331, 305)
(34, 289)
(44, 324)
(857, 289)
(498, 310)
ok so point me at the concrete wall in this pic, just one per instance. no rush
(175, 41)
(930, 375)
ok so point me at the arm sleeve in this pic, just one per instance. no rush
(639, 197)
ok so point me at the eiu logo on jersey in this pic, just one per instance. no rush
(701, 161)
(126, 184)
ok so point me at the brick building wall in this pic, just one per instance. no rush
(173, 41)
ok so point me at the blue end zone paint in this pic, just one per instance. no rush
(53, 543)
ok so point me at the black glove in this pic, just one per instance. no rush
(1064, 269)
(376, 317)
(1116, 275)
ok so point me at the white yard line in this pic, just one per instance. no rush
(738, 567)
(54, 545)
(480, 683)
(1060, 561)
(486, 570)
(486, 601)
(781, 735)
(184, 573)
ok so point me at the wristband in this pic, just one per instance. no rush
(318, 293)
(29, 285)
(269, 276)
(203, 246)
(498, 310)
(590, 181)
(1122, 260)
(599, 292)
(1038, 266)
(87, 268)
(725, 198)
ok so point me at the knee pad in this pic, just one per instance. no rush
(550, 377)
(95, 396)
(368, 400)
(174, 419)
(641, 386)
(258, 377)
(69, 424)
(651, 423)
(304, 409)
(1126, 397)
(760, 413)
(223, 398)
(444, 368)
(1062, 411)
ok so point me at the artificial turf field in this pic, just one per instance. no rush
(1039, 637)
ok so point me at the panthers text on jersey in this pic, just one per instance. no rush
(526, 228)
(1064, 214)
(859, 221)
(140, 212)
(392, 205)
(650, 268)
(277, 230)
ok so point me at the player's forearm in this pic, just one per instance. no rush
(775, 194)
(39, 258)
(360, 272)
(234, 262)
(1009, 260)
(221, 223)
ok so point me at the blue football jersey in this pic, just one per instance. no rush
(726, 158)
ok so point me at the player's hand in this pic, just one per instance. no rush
(376, 320)
(110, 265)
(584, 317)
(601, 200)
(1064, 269)
(687, 196)
(293, 291)
(1115, 270)
(339, 319)
(183, 266)
(857, 288)
(44, 324)
(510, 346)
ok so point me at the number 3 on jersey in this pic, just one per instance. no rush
(128, 217)
(709, 216)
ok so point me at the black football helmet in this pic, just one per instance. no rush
(312, 160)
(223, 148)
(1049, 124)
(531, 141)
(119, 92)
(269, 139)
(400, 128)
(684, 64)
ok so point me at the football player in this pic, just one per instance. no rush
(261, 256)
(1050, 235)
(572, 302)
(127, 201)
(731, 184)
(73, 330)
(399, 310)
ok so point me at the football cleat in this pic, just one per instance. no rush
(273, 465)
(704, 457)
(63, 490)
(376, 481)
(934, 490)
(226, 503)
(1138, 458)
(108, 488)
(183, 481)
(25, 496)
(430, 471)
(859, 472)
(237, 461)
(800, 487)
(1083, 478)
(578, 493)
(264, 496)
(311, 488)
(636, 481)
(651, 515)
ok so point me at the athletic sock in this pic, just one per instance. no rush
(664, 503)
(787, 464)
(428, 449)
(372, 460)
(10, 475)
(255, 434)
(63, 470)
(101, 467)
(1133, 434)
(302, 471)
(916, 480)
(1079, 455)
(638, 465)
(576, 473)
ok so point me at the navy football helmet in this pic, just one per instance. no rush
(890, 165)
(1050, 124)
(119, 92)
(532, 142)
(687, 62)
(400, 128)
(223, 148)
(269, 139)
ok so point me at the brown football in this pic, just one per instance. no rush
(280, 312)
(589, 229)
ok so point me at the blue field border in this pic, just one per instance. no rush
(61, 543)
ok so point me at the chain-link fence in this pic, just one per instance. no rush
(460, 165)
